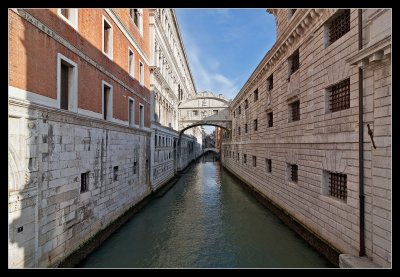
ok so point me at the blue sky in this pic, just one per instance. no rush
(224, 46)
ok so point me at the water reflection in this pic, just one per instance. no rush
(206, 220)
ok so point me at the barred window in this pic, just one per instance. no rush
(338, 185)
(339, 26)
(115, 171)
(339, 96)
(268, 163)
(239, 131)
(234, 114)
(255, 124)
(246, 104)
(84, 181)
(245, 128)
(244, 158)
(238, 156)
(293, 172)
(270, 119)
(270, 82)
(294, 62)
(255, 95)
(294, 111)
(240, 110)
(254, 161)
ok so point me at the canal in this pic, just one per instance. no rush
(206, 220)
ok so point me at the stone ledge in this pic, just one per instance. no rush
(350, 261)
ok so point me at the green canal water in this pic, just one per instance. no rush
(206, 220)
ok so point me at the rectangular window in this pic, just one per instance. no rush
(293, 168)
(254, 161)
(294, 62)
(155, 140)
(245, 128)
(234, 114)
(64, 86)
(135, 167)
(238, 156)
(270, 119)
(115, 173)
(131, 62)
(294, 110)
(268, 164)
(255, 124)
(255, 95)
(270, 82)
(141, 73)
(107, 38)
(335, 185)
(246, 104)
(67, 83)
(131, 114)
(244, 158)
(85, 181)
(141, 115)
(215, 112)
(239, 131)
(339, 96)
(107, 102)
(136, 15)
(70, 16)
(240, 109)
(339, 26)
(195, 112)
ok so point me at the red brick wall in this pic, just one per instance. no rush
(33, 59)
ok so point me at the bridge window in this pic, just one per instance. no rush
(255, 95)
(268, 163)
(294, 111)
(244, 158)
(293, 172)
(245, 128)
(294, 62)
(270, 82)
(246, 104)
(339, 25)
(270, 119)
(255, 124)
(254, 161)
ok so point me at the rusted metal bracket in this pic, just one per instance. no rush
(371, 134)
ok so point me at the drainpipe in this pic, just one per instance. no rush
(361, 140)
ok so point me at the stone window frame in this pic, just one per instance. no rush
(109, 101)
(133, 114)
(270, 82)
(115, 173)
(270, 119)
(256, 95)
(244, 158)
(296, 53)
(254, 161)
(326, 184)
(72, 82)
(131, 64)
(110, 41)
(328, 93)
(141, 72)
(255, 125)
(140, 19)
(289, 172)
(141, 115)
(268, 165)
(290, 110)
(85, 181)
(73, 20)
(328, 23)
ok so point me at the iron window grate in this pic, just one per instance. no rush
(293, 171)
(256, 95)
(84, 181)
(339, 98)
(295, 111)
(246, 104)
(295, 62)
(255, 124)
(339, 26)
(269, 165)
(338, 185)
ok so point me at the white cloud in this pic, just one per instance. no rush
(206, 74)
